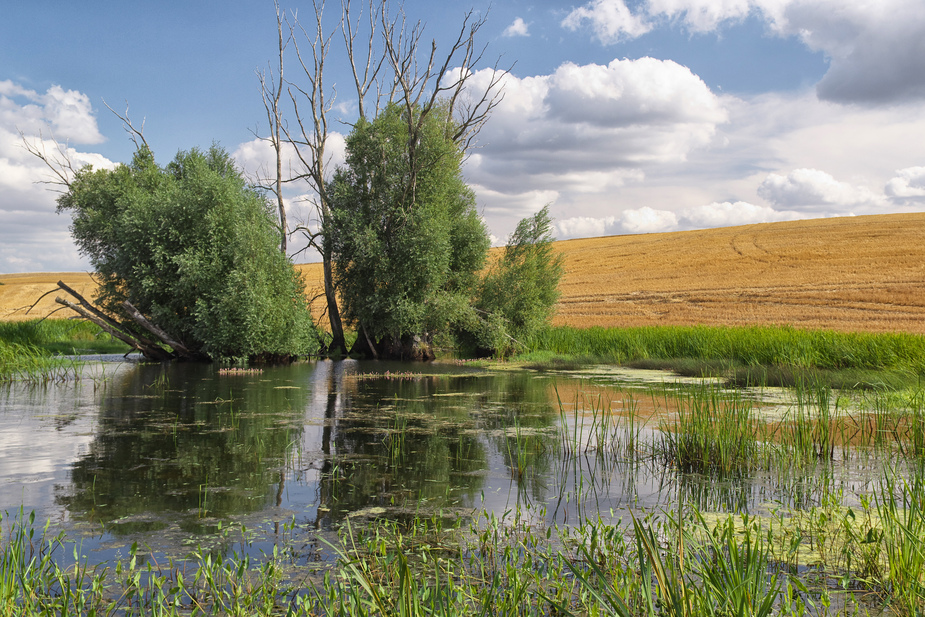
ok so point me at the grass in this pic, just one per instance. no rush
(684, 563)
(712, 433)
(767, 355)
(60, 336)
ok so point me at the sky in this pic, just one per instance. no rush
(624, 116)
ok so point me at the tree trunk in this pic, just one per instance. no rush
(338, 344)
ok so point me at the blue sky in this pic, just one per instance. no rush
(625, 117)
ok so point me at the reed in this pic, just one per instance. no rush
(901, 505)
(768, 346)
(23, 362)
(713, 432)
(61, 336)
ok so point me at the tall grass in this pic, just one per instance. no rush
(748, 346)
(28, 363)
(713, 432)
(60, 336)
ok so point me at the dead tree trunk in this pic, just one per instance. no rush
(150, 349)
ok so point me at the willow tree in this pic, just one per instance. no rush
(189, 252)
(407, 240)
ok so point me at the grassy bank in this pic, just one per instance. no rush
(773, 355)
(35, 350)
(60, 336)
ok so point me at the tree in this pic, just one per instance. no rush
(407, 240)
(192, 250)
(390, 63)
(518, 294)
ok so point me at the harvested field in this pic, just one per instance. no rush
(862, 273)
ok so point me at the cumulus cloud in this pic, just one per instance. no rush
(518, 28)
(610, 20)
(727, 214)
(814, 190)
(632, 221)
(650, 220)
(909, 184)
(593, 125)
(876, 50)
(257, 158)
(33, 237)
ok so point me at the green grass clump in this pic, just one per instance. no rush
(29, 363)
(60, 336)
(712, 432)
(703, 350)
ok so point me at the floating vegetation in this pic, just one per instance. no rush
(240, 371)
(390, 376)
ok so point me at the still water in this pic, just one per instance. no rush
(167, 455)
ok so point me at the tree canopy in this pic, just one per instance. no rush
(194, 250)
(409, 246)
(407, 240)
(518, 293)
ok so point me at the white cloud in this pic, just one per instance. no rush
(611, 21)
(908, 184)
(811, 189)
(875, 49)
(727, 214)
(701, 15)
(257, 159)
(648, 220)
(32, 236)
(593, 124)
(518, 28)
(634, 221)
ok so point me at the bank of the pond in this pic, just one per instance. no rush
(770, 355)
(37, 350)
(60, 336)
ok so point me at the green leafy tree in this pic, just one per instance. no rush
(408, 242)
(518, 294)
(195, 251)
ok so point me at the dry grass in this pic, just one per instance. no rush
(18, 292)
(851, 274)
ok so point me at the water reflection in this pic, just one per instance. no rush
(178, 439)
(165, 453)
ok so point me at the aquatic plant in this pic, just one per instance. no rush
(712, 432)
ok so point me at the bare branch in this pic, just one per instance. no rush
(133, 132)
(59, 162)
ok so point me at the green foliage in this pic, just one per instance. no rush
(407, 240)
(195, 250)
(519, 293)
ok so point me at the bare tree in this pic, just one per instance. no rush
(271, 88)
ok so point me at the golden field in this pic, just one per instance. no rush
(863, 273)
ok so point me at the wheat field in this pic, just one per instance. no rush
(863, 273)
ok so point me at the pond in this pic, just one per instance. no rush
(170, 455)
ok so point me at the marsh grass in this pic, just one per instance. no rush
(729, 349)
(609, 428)
(23, 362)
(712, 432)
(61, 336)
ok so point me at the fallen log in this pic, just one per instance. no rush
(142, 321)
(152, 352)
